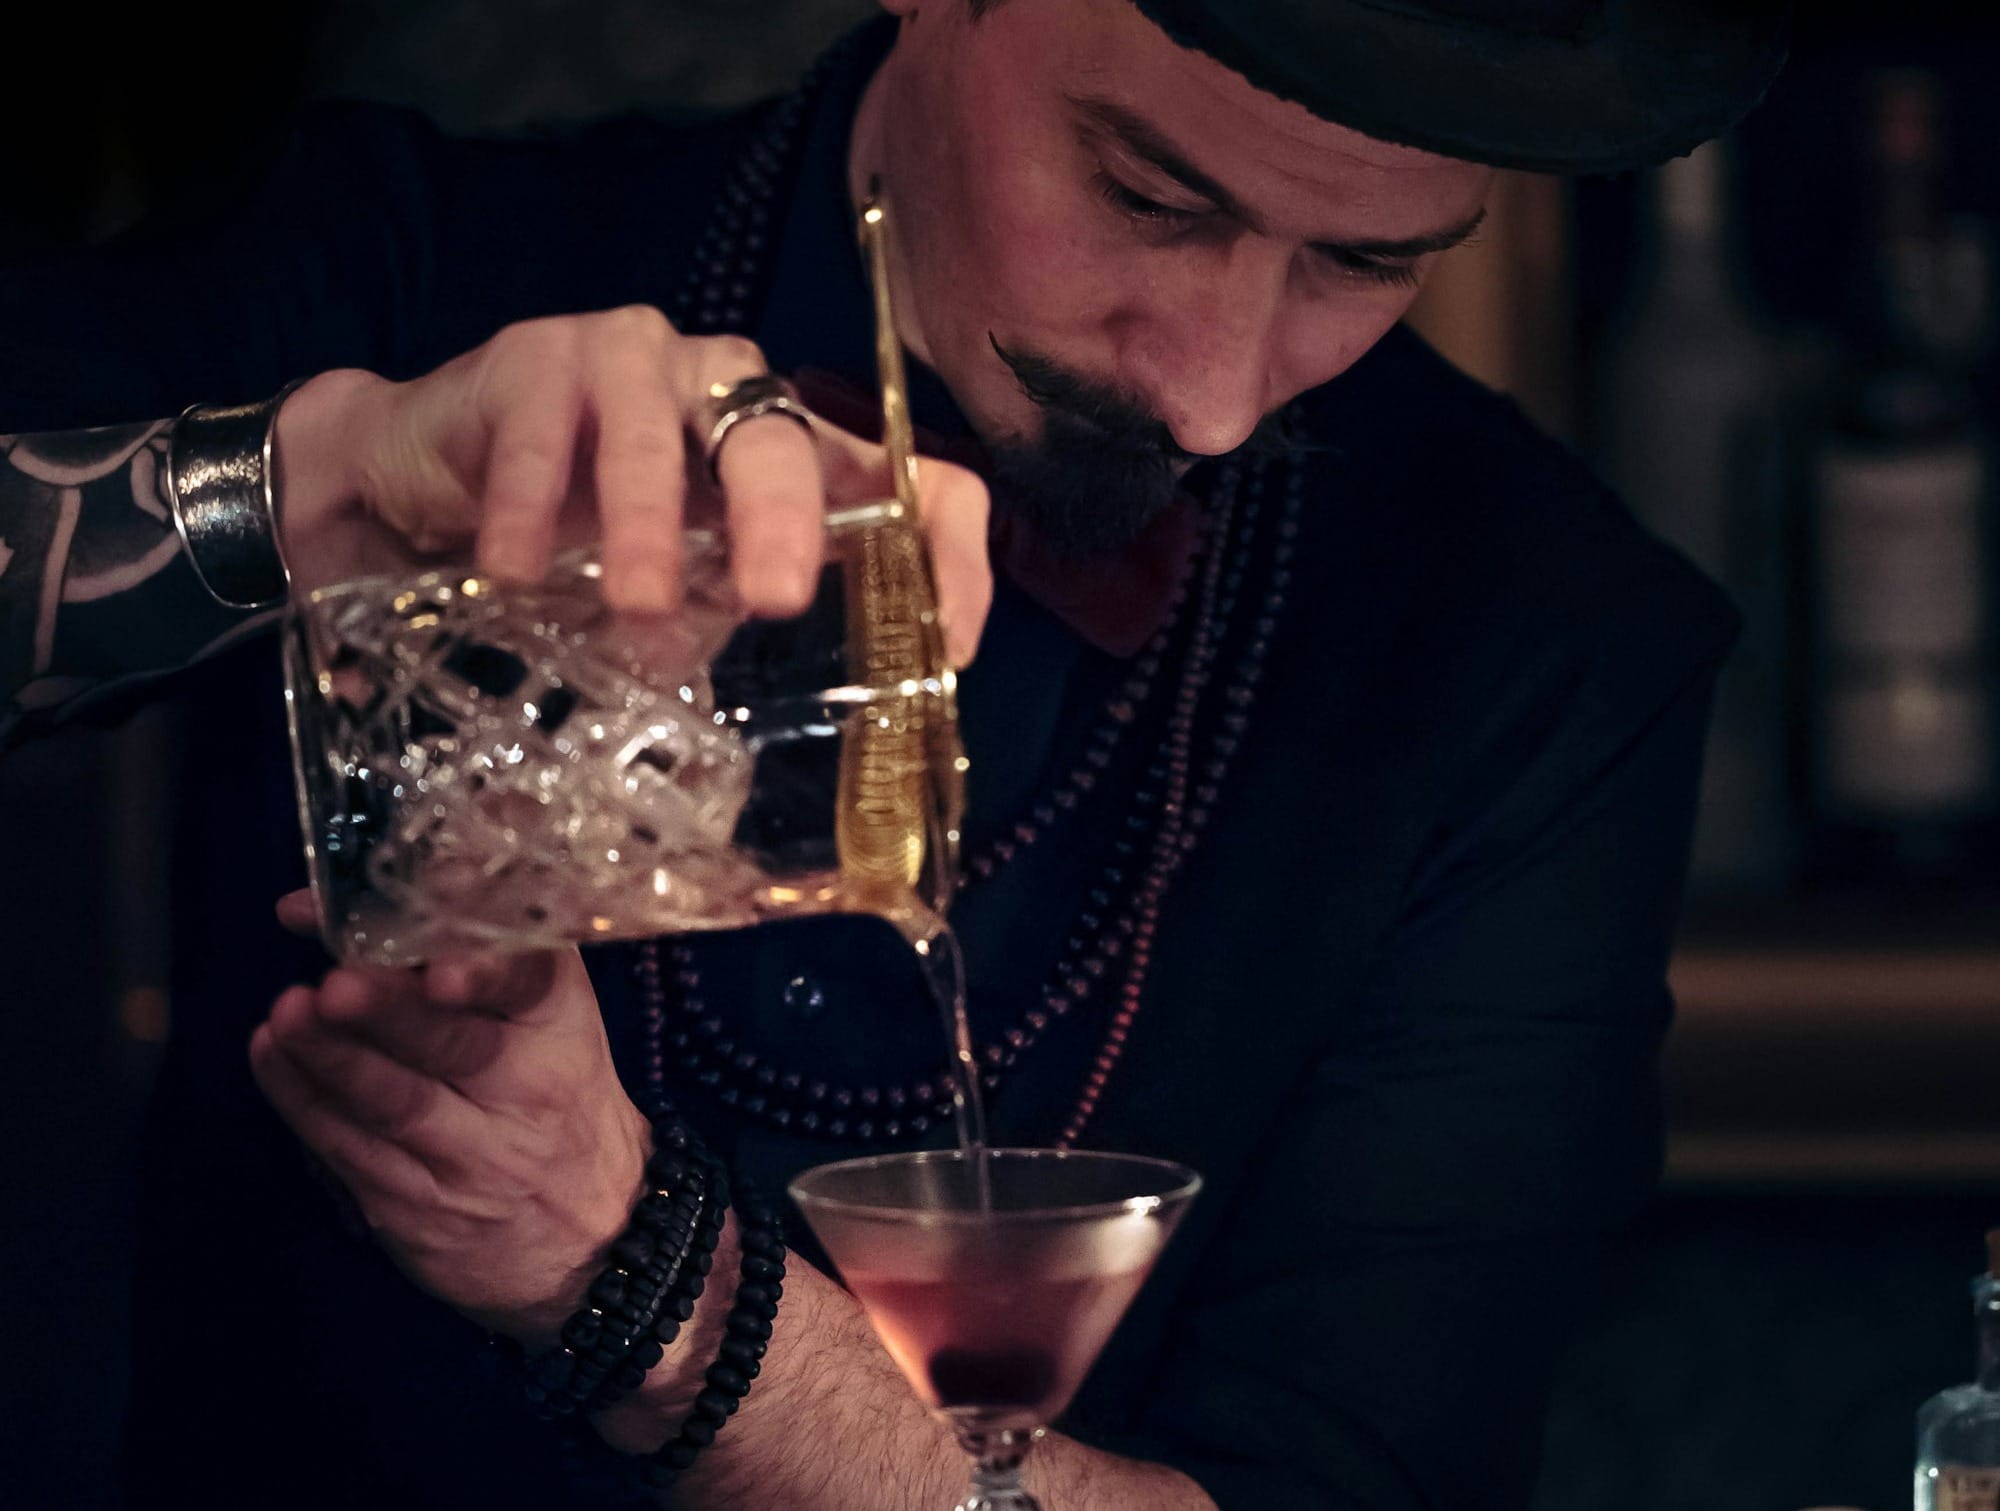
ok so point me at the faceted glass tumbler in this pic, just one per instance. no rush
(488, 767)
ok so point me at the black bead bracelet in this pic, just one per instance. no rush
(657, 1267)
(678, 1304)
(747, 1333)
(658, 1270)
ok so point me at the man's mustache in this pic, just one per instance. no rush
(1119, 421)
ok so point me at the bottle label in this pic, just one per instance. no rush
(1960, 1489)
(1905, 744)
(1899, 550)
(1905, 712)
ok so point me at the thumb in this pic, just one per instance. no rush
(298, 913)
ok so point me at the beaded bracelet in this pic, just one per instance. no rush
(678, 1305)
(659, 1290)
(653, 1315)
(658, 1314)
(658, 1267)
(747, 1330)
(658, 1271)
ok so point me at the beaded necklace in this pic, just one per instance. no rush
(1232, 592)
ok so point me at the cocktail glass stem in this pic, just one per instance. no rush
(997, 1455)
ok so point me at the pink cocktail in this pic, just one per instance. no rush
(995, 1295)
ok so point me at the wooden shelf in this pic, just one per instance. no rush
(1852, 1041)
(1832, 1159)
(1927, 988)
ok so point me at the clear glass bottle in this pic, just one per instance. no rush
(1902, 739)
(1958, 1430)
(1687, 434)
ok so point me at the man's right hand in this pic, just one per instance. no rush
(579, 428)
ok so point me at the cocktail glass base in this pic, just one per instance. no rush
(997, 1455)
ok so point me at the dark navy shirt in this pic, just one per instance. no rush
(1406, 993)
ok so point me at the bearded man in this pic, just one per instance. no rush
(1334, 741)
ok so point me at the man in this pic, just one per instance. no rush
(1332, 772)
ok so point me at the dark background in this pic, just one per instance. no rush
(1767, 1335)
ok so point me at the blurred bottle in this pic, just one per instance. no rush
(1900, 732)
(1958, 1430)
(1689, 436)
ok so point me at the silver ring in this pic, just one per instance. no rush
(749, 399)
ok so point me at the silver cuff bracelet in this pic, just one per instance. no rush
(219, 486)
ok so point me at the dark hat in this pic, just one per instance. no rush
(1553, 86)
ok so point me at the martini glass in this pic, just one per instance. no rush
(995, 1279)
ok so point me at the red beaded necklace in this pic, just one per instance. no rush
(1170, 805)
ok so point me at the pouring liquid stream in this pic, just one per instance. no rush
(942, 963)
(902, 792)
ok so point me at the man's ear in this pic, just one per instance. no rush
(903, 8)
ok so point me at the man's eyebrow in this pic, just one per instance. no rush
(1143, 138)
(1148, 141)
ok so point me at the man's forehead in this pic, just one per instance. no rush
(1269, 161)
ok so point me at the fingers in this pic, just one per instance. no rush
(954, 504)
(388, 1010)
(368, 1163)
(399, 1013)
(448, 1019)
(636, 399)
(366, 1053)
(769, 470)
(529, 462)
(503, 986)
(408, 1057)
(351, 1078)
(955, 508)
(297, 913)
(494, 985)
(640, 467)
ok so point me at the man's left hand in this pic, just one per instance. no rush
(472, 1109)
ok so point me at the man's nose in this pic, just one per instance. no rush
(1205, 352)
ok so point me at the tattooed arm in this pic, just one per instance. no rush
(97, 598)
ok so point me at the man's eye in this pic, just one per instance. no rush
(1138, 207)
(1395, 274)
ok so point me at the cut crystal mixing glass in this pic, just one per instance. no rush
(481, 767)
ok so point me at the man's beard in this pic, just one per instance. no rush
(1101, 470)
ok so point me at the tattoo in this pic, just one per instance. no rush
(95, 590)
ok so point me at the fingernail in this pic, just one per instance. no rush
(782, 587)
(793, 587)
